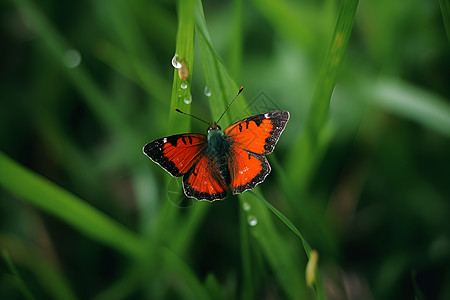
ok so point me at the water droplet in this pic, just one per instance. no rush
(252, 220)
(183, 85)
(71, 58)
(175, 62)
(188, 99)
(246, 206)
(207, 91)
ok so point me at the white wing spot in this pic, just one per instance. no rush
(164, 140)
(266, 115)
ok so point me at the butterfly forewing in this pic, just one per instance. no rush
(259, 133)
(177, 153)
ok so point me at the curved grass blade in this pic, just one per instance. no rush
(17, 278)
(56, 201)
(45, 272)
(305, 149)
(274, 247)
(445, 9)
(319, 284)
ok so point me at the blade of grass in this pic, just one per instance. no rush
(218, 79)
(181, 97)
(247, 290)
(214, 288)
(93, 96)
(236, 49)
(319, 284)
(190, 287)
(411, 102)
(445, 10)
(54, 200)
(17, 278)
(281, 257)
(171, 228)
(140, 57)
(118, 60)
(275, 248)
(303, 151)
(46, 273)
(185, 51)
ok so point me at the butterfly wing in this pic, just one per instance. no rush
(177, 153)
(204, 181)
(259, 133)
(184, 154)
(252, 138)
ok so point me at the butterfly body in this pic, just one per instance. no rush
(231, 159)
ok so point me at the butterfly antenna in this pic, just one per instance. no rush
(240, 90)
(182, 112)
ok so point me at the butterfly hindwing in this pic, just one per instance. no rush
(177, 153)
(259, 133)
(247, 169)
(204, 180)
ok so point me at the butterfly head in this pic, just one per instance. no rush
(214, 127)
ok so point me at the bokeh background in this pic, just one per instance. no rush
(85, 84)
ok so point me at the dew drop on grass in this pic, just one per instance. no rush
(188, 99)
(246, 206)
(71, 58)
(175, 63)
(183, 85)
(252, 220)
(207, 91)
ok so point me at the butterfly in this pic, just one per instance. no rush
(232, 159)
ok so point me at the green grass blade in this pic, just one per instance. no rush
(236, 42)
(191, 287)
(411, 102)
(287, 222)
(123, 21)
(54, 200)
(306, 146)
(17, 278)
(247, 291)
(445, 10)
(319, 284)
(218, 79)
(45, 271)
(274, 247)
(93, 96)
(181, 97)
(282, 258)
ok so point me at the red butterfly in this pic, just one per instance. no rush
(234, 158)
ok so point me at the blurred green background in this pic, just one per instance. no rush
(362, 169)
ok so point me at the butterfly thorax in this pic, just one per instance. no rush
(218, 143)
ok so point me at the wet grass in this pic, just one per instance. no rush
(360, 173)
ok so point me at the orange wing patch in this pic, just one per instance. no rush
(177, 153)
(250, 135)
(259, 133)
(246, 170)
(205, 181)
